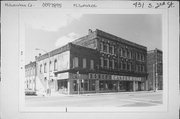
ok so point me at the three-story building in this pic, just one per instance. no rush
(97, 62)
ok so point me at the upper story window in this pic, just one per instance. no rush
(32, 71)
(101, 46)
(124, 66)
(110, 63)
(142, 68)
(104, 47)
(55, 65)
(102, 61)
(120, 65)
(50, 66)
(111, 49)
(105, 63)
(139, 56)
(136, 68)
(136, 56)
(143, 58)
(107, 48)
(45, 67)
(129, 54)
(113, 64)
(91, 64)
(84, 62)
(40, 68)
(124, 53)
(128, 66)
(75, 62)
(120, 52)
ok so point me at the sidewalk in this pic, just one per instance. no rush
(104, 93)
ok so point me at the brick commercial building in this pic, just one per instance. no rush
(30, 74)
(155, 70)
(97, 62)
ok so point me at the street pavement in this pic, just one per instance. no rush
(116, 99)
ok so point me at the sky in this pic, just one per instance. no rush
(48, 31)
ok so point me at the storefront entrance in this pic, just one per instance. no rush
(125, 86)
(62, 86)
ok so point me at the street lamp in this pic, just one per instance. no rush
(49, 68)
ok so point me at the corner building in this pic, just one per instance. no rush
(97, 62)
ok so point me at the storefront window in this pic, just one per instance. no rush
(86, 85)
(75, 85)
(91, 85)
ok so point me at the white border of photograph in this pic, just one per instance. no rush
(162, 108)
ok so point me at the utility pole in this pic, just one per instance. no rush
(78, 82)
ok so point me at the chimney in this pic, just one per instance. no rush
(89, 31)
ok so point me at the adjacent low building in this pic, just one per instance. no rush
(97, 62)
(155, 69)
(30, 75)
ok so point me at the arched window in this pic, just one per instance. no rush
(105, 47)
(124, 53)
(50, 65)
(101, 46)
(105, 63)
(40, 68)
(45, 67)
(55, 65)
